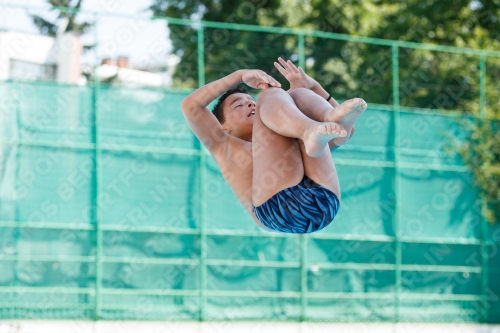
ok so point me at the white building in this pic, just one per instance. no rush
(26, 56)
(158, 74)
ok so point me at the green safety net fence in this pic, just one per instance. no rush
(110, 209)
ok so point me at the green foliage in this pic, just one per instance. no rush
(226, 51)
(481, 152)
(51, 28)
(436, 80)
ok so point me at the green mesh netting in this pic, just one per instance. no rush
(137, 225)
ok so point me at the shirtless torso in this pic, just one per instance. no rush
(236, 165)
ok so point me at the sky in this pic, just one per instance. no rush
(145, 42)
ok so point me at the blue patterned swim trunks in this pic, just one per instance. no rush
(300, 209)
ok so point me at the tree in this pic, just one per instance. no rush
(66, 19)
(226, 50)
(481, 152)
(428, 79)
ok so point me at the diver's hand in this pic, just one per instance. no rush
(296, 76)
(256, 78)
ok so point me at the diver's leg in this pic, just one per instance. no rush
(277, 158)
(280, 114)
(322, 169)
(317, 108)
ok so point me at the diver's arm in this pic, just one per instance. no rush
(201, 120)
(198, 100)
(299, 79)
(318, 89)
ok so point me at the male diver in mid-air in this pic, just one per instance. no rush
(275, 152)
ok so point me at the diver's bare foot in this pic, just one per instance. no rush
(316, 138)
(346, 115)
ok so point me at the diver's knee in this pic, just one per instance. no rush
(270, 93)
(296, 93)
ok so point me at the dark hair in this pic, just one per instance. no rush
(217, 110)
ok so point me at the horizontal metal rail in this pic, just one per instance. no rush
(267, 29)
(194, 152)
(242, 233)
(372, 106)
(246, 293)
(45, 305)
(235, 262)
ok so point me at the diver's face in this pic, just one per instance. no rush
(239, 112)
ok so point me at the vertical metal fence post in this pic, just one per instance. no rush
(484, 270)
(201, 208)
(397, 192)
(97, 217)
(303, 237)
(303, 277)
(302, 56)
(17, 231)
(484, 223)
(482, 86)
(201, 55)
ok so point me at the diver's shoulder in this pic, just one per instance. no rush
(235, 152)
